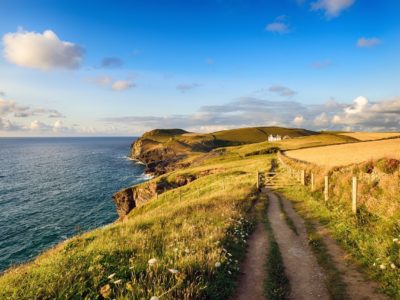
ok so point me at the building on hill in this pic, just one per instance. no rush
(272, 138)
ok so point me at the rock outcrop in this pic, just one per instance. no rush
(135, 196)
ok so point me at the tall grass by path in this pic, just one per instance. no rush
(372, 241)
(184, 245)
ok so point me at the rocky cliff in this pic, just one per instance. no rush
(135, 196)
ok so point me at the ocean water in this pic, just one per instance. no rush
(52, 188)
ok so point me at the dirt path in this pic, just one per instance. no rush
(358, 287)
(251, 282)
(305, 276)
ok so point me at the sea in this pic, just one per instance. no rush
(54, 188)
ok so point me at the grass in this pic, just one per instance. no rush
(186, 244)
(371, 241)
(288, 220)
(276, 284)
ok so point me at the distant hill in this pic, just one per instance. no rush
(161, 148)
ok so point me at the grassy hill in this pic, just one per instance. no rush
(187, 241)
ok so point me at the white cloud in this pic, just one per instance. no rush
(282, 90)
(115, 85)
(366, 115)
(9, 106)
(332, 8)
(321, 120)
(7, 125)
(368, 42)
(42, 51)
(38, 126)
(121, 85)
(298, 120)
(278, 27)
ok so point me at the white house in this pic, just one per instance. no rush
(272, 138)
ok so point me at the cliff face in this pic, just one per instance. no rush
(135, 196)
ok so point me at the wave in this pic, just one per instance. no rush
(133, 159)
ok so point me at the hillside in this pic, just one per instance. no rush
(162, 149)
(184, 233)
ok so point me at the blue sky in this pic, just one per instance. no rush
(124, 67)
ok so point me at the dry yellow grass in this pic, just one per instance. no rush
(341, 155)
(371, 136)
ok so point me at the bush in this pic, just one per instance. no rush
(388, 165)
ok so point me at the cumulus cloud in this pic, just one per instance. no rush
(298, 120)
(42, 51)
(363, 114)
(282, 90)
(111, 62)
(332, 8)
(368, 42)
(184, 87)
(115, 85)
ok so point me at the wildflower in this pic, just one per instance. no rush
(118, 281)
(382, 266)
(152, 261)
(217, 264)
(111, 276)
(129, 287)
(393, 266)
(173, 271)
(105, 291)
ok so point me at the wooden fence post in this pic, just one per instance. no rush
(326, 192)
(312, 182)
(303, 177)
(354, 198)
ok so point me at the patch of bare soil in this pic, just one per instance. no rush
(306, 278)
(251, 281)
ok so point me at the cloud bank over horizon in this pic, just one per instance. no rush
(361, 115)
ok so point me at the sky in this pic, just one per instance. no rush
(120, 68)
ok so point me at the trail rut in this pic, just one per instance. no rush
(307, 280)
(251, 282)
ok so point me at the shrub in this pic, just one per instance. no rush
(388, 165)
